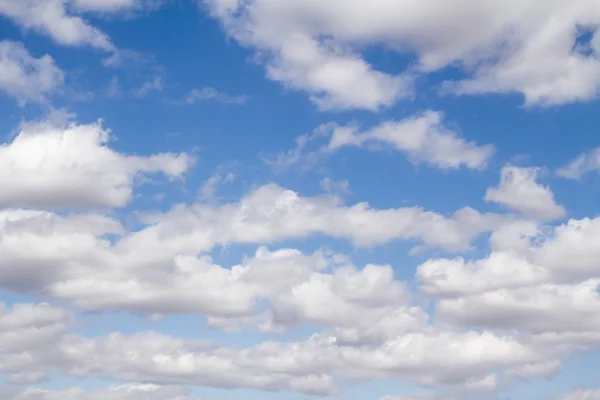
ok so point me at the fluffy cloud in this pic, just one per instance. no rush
(316, 47)
(54, 18)
(519, 191)
(423, 138)
(334, 77)
(392, 339)
(135, 274)
(41, 340)
(169, 243)
(58, 164)
(544, 282)
(25, 77)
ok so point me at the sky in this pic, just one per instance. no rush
(299, 199)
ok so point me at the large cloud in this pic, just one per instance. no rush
(315, 46)
(40, 340)
(60, 164)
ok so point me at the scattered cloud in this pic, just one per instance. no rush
(53, 18)
(26, 78)
(519, 191)
(423, 138)
(114, 90)
(209, 93)
(154, 85)
(316, 48)
(583, 164)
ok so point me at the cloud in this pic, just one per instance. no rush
(156, 270)
(519, 191)
(526, 324)
(583, 164)
(27, 378)
(115, 6)
(25, 77)
(61, 165)
(423, 138)
(154, 85)
(113, 90)
(335, 78)
(209, 93)
(53, 18)
(580, 395)
(546, 286)
(121, 392)
(209, 188)
(306, 366)
(73, 248)
(317, 48)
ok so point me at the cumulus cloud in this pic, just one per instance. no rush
(156, 270)
(519, 190)
(60, 164)
(316, 48)
(545, 285)
(427, 358)
(423, 138)
(532, 314)
(26, 78)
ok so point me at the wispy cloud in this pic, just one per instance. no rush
(209, 93)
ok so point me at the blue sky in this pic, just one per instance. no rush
(217, 199)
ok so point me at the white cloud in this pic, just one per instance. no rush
(519, 191)
(335, 78)
(423, 138)
(427, 358)
(209, 93)
(546, 369)
(160, 278)
(543, 308)
(121, 392)
(60, 165)
(25, 77)
(53, 18)
(316, 47)
(209, 188)
(115, 6)
(154, 85)
(583, 164)
(545, 285)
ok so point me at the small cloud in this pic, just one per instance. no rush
(155, 84)
(208, 190)
(113, 90)
(335, 188)
(209, 93)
